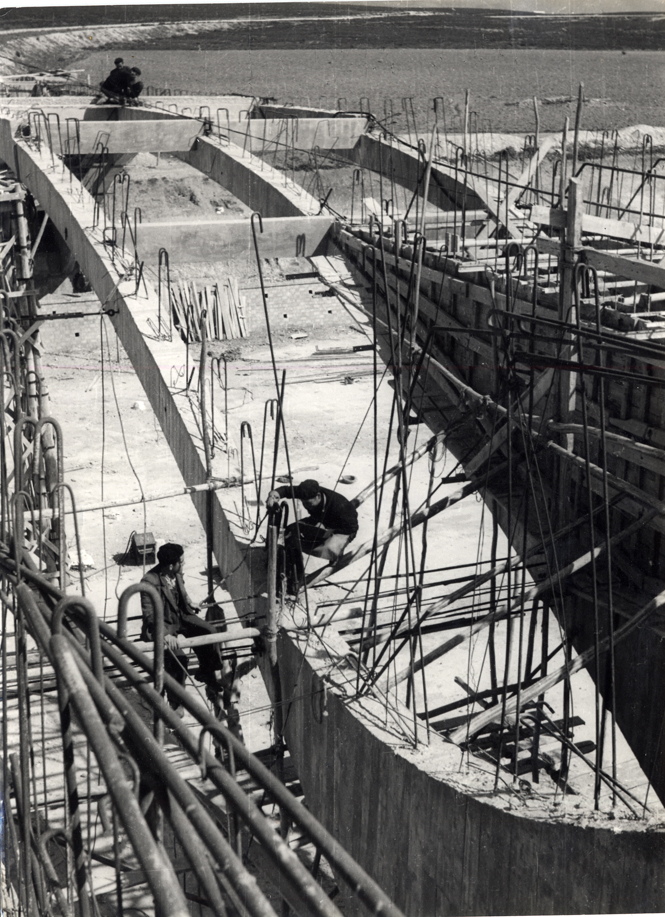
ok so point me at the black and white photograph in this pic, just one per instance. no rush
(332, 458)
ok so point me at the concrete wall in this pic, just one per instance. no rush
(303, 133)
(435, 849)
(266, 110)
(223, 240)
(168, 135)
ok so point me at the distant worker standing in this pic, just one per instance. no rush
(332, 523)
(179, 618)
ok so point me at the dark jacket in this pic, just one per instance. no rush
(134, 89)
(118, 81)
(335, 512)
(175, 606)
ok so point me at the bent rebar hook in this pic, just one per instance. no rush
(270, 407)
(246, 433)
(163, 260)
(69, 488)
(65, 605)
(157, 636)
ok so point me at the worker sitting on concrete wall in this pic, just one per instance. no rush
(332, 523)
(180, 618)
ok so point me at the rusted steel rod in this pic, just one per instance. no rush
(548, 681)
(197, 855)
(296, 877)
(365, 887)
(159, 874)
(507, 609)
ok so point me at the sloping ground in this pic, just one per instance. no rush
(48, 47)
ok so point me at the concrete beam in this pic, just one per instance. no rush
(253, 181)
(224, 240)
(166, 135)
(303, 133)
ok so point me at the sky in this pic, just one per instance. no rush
(517, 6)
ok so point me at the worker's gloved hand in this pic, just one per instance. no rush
(273, 499)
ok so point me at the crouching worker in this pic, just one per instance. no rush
(179, 618)
(331, 524)
(114, 88)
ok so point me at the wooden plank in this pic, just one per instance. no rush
(187, 310)
(644, 271)
(218, 313)
(230, 303)
(644, 456)
(618, 229)
(242, 302)
(196, 308)
(224, 305)
(208, 319)
(548, 144)
(174, 301)
(234, 301)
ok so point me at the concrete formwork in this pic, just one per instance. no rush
(408, 168)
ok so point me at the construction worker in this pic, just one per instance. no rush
(135, 87)
(114, 88)
(180, 618)
(331, 524)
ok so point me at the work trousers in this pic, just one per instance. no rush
(175, 664)
(314, 540)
